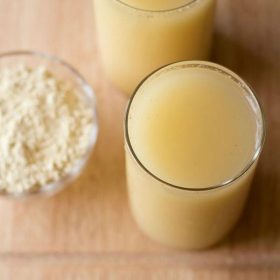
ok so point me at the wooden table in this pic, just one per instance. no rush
(86, 231)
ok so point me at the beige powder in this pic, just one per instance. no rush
(45, 126)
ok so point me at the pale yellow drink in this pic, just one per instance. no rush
(136, 37)
(194, 131)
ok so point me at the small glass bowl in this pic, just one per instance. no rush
(63, 71)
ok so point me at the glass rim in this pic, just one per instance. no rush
(231, 75)
(188, 4)
(57, 185)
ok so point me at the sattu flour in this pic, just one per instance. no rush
(44, 128)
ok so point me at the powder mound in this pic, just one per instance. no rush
(45, 127)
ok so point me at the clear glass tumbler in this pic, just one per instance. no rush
(186, 216)
(135, 40)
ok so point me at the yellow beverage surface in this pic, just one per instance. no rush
(156, 4)
(193, 127)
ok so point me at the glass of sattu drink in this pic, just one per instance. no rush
(136, 37)
(193, 135)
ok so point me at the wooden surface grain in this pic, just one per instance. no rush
(86, 231)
